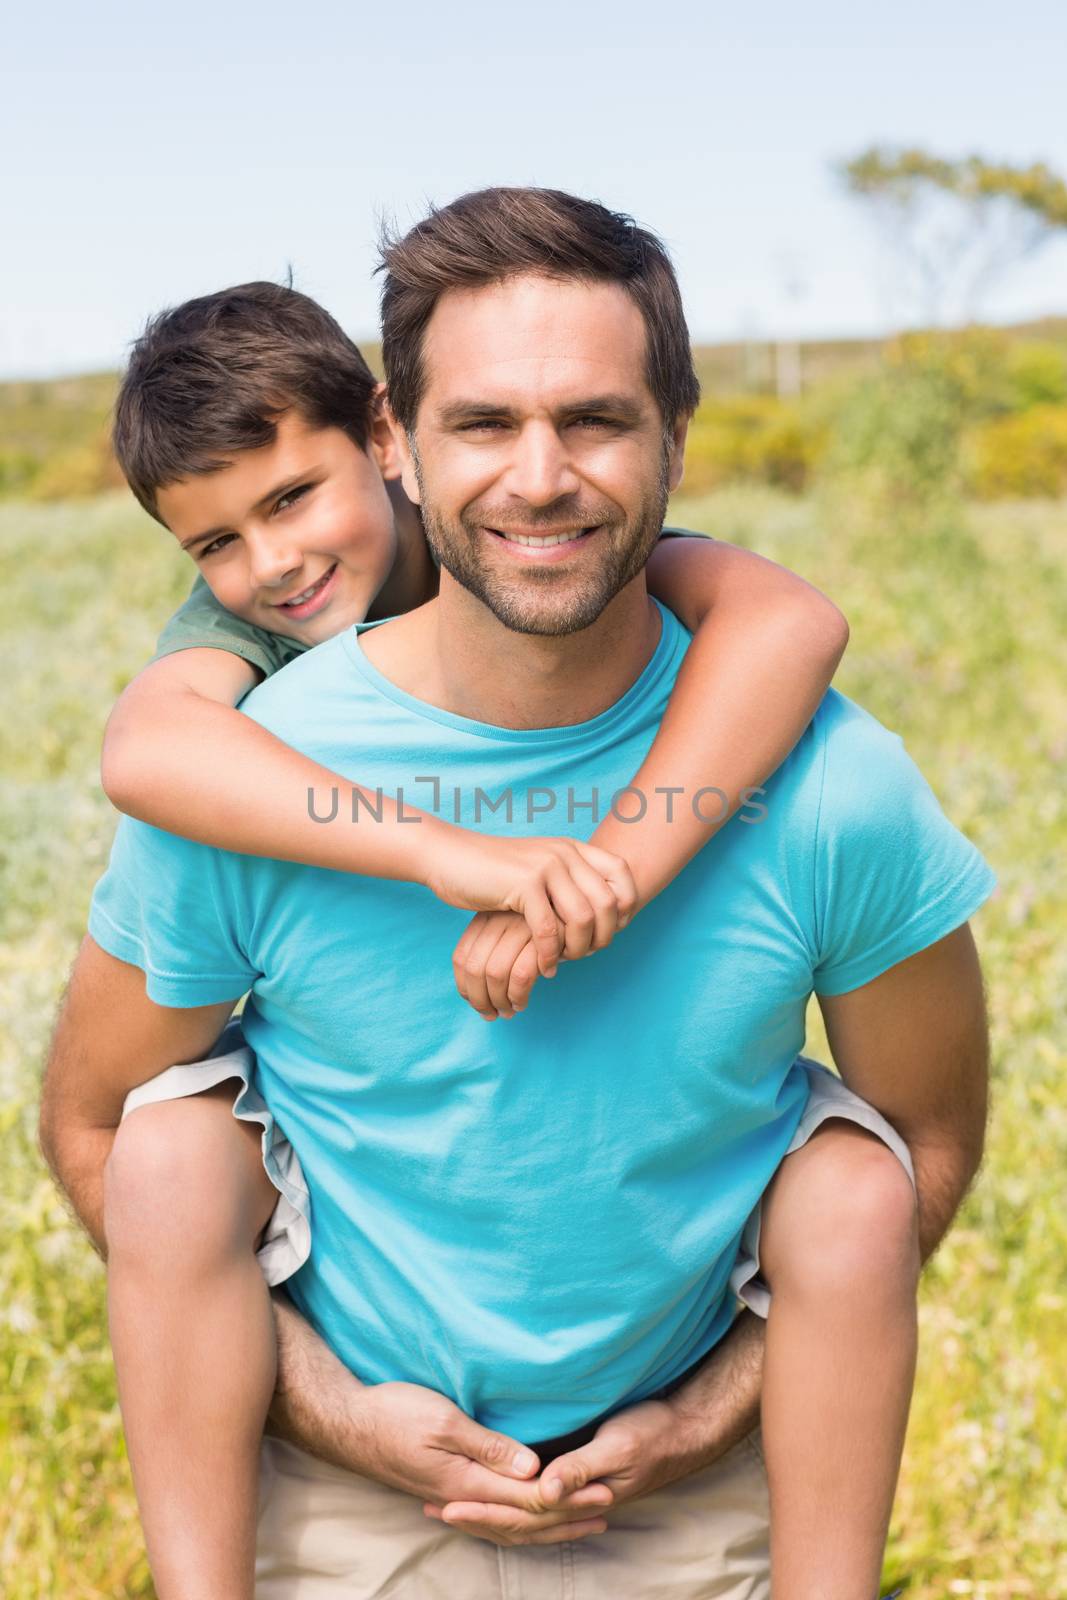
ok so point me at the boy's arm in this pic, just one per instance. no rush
(178, 755)
(766, 645)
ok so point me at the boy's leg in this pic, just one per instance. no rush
(192, 1332)
(839, 1251)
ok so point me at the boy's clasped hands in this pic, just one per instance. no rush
(538, 902)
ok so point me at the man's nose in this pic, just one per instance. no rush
(540, 470)
(271, 561)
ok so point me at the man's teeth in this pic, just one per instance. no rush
(552, 538)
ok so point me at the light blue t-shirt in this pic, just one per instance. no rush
(538, 1218)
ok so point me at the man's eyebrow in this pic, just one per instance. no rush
(622, 407)
(276, 493)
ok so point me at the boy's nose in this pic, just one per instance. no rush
(271, 564)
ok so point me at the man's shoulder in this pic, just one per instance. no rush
(849, 731)
(315, 679)
(868, 783)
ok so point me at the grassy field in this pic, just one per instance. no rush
(958, 643)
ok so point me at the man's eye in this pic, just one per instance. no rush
(216, 545)
(593, 422)
(483, 425)
(292, 495)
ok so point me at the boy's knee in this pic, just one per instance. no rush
(854, 1219)
(171, 1181)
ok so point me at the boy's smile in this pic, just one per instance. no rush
(299, 537)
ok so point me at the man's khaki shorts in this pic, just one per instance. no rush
(325, 1534)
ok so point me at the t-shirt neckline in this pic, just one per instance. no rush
(566, 733)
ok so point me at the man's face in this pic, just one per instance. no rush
(297, 537)
(538, 453)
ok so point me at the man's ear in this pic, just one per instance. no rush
(676, 468)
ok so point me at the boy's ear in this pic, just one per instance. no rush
(403, 465)
(384, 436)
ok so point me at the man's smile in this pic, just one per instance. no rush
(543, 547)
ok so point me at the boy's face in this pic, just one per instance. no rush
(298, 537)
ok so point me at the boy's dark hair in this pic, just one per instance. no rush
(211, 378)
(494, 234)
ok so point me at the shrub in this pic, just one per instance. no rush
(752, 439)
(1038, 374)
(1020, 457)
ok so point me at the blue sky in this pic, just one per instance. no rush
(151, 152)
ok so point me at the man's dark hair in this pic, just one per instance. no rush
(211, 378)
(494, 234)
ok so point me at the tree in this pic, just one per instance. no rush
(956, 227)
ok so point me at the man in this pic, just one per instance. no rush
(540, 1221)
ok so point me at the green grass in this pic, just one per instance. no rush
(958, 642)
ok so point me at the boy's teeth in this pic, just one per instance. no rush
(298, 599)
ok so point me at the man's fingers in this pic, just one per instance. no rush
(496, 1451)
(505, 1525)
(571, 1472)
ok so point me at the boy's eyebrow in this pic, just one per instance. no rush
(276, 493)
(617, 405)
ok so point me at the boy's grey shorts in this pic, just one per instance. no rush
(286, 1242)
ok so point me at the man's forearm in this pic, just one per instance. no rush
(720, 1402)
(316, 1398)
(77, 1161)
(943, 1174)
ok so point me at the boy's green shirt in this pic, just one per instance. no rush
(204, 622)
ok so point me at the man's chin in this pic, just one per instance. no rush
(541, 615)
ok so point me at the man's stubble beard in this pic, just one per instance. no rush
(528, 601)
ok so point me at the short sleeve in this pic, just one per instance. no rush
(669, 532)
(202, 621)
(892, 874)
(171, 907)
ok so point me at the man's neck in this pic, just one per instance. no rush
(455, 654)
(413, 579)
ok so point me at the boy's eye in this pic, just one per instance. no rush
(215, 545)
(292, 495)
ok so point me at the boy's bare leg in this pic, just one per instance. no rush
(839, 1250)
(186, 1198)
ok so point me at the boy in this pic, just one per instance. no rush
(249, 426)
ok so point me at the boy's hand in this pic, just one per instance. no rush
(572, 897)
(495, 964)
